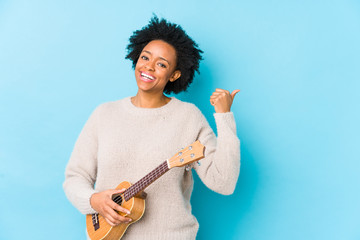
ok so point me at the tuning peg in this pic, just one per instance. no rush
(187, 168)
(198, 162)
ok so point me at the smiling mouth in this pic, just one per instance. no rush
(145, 77)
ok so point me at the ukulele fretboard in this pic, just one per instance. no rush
(146, 181)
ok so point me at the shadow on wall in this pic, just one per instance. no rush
(220, 215)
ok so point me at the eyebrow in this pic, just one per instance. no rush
(159, 57)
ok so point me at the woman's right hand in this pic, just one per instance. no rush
(102, 203)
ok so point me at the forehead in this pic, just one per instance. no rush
(159, 48)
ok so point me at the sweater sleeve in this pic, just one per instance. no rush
(80, 173)
(220, 168)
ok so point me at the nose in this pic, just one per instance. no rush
(150, 66)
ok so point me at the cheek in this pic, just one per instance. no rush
(165, 77)
(138, 64)
(169, 75)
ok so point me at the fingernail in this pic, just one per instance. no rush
(128, 212)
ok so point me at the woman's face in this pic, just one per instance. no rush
(156, 66)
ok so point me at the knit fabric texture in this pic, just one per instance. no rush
(122, 142)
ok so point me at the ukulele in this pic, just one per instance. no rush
(133, 198)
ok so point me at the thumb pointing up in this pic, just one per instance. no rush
(222, 100)
(234, 93)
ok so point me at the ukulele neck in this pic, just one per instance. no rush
(146, 181)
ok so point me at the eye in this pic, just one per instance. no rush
(144, 57)
(162, 65)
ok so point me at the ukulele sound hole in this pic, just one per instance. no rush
(117, 199)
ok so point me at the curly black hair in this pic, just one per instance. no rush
(188, 54)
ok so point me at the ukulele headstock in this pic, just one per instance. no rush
(187, 155)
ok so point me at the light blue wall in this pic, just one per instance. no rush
(297, 64)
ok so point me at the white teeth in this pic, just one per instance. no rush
(147, 76)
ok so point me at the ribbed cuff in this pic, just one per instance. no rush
(83, 203)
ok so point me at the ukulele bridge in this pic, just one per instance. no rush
(95, 221)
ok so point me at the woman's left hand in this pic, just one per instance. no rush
(222, 100)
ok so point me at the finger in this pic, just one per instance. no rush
(110, 222)
(120, 219)
(219, 90)
(124, 219)
(220, 94)
(116, 191)
(114, 222)
(110, 219)
(115, 217)
(234, 93)
(214, 96)
(118, 208)
(213, 101)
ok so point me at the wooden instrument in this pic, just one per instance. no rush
(133, 198)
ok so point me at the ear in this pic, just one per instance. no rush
(176, 74)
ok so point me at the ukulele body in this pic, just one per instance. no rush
(136, 206)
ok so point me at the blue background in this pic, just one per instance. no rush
(297, 64)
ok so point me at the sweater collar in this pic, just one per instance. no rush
(131, 107)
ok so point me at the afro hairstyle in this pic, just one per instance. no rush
(188, 54)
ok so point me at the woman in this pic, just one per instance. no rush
(126, 139)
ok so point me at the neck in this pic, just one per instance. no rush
(148, 100)
(146, 181)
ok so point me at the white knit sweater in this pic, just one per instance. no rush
(122, 142)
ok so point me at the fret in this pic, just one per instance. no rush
(146, 181)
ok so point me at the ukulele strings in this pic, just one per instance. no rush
(162, 168)
(118, 199)
(149, 178)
